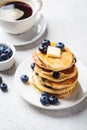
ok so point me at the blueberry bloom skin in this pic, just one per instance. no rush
(4, 87)
(24, 78)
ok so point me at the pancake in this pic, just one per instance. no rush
(43, 78)
(49, 74)
(58, 93)
(62, 96)
(56, 64)
(56, 85)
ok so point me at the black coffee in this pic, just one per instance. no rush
(21, 6)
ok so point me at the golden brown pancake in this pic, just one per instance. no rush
(56, 64)
(63, 95)
(59, 93)
(57, 85)
(64, 85)
(49, 74)
(45, 66)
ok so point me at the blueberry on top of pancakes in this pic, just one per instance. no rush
(60, 45)
(45, 43)
(43, 49)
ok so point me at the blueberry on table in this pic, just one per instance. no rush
(56, 75)
(43, 49)
(32, 66)
(45, 43)
(24, 78)
(44, 100)
(0, 79)
(53, 100)
(4, 87)
(60, 45)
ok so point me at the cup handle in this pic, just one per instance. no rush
(39, 4)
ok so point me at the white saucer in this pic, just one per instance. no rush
(33, 97)
(26, 38)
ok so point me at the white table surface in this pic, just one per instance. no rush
(66, 22)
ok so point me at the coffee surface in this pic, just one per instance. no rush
(16, 10)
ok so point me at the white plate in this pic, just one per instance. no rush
(28, 37)
(33, 97)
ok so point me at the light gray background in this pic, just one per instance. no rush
(67, 22)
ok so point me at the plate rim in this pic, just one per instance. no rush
(42, 106)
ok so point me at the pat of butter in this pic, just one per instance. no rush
(53, 51)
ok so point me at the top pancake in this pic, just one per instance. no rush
(66, 60)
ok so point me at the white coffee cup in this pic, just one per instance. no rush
(20, 26)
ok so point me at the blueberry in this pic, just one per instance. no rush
(43, 49)
(8, 51)
(45, 43)
(44, 100)
(56, 75)
(24, 78)
(2, 48)
(36, 73)
(0, 79)
(3, 57)
(60, 45)
(32, 66)
(43, 79)
(44, 94)
(53, 100)
(3, 87)
(5, 52)
(75, 60)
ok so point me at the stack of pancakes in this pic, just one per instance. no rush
(45, 67)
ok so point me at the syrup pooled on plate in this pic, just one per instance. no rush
(16, 10)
